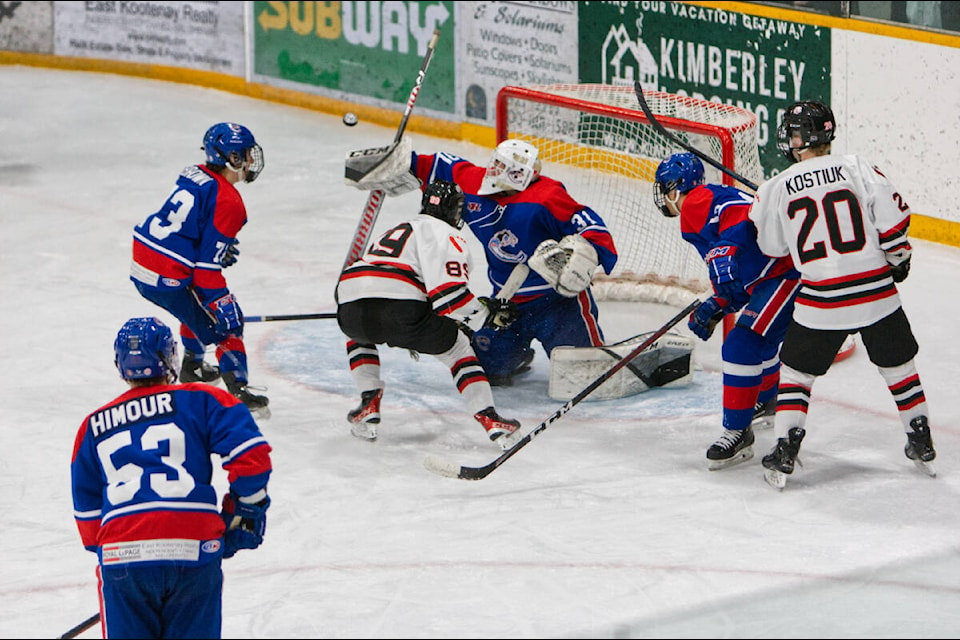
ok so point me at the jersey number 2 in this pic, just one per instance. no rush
(829, 210)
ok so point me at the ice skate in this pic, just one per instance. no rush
(194, 369)
(507, 380)
(779, 463)
(919, 447)
(365, 418)
(733, 447)
(258, 405)
(505, 433)
(764, 414)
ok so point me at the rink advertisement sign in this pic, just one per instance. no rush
(761, 64)
(512, 43)
(200, 35)
(371, 49)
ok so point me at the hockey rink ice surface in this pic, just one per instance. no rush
(608, 524)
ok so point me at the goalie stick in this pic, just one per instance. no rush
(638, 89)
(440, 466)
(375, 200)
(83, 626)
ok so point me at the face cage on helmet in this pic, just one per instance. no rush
(660, 191)
(504, 173)
(251, 165)
(804, 128)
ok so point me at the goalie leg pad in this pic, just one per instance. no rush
(668, 362)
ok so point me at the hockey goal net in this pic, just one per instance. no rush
(596, 140)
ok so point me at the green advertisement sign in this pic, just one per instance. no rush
(372, 49)
(760, 64)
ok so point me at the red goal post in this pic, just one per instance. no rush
(595, 139)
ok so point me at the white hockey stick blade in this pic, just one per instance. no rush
(441, 467)
(774, 478)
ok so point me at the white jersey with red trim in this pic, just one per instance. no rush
(844, 224)
(421, 259)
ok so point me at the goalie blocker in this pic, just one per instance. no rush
(665, 363)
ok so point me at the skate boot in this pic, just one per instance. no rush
(764, 414)
(365, 418)
(505, 433)
(733, 447)
(194, 369)
(507, 379)
(779, 463)
(919, 447)
(258, 405)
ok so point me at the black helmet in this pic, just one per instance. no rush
(443, 200)
(811, 120)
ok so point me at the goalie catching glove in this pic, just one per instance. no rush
(384, 169)
(567, 266)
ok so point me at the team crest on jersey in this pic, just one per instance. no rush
(502, 244)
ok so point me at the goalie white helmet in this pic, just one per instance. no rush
(512, 167)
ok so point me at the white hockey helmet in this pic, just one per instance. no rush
(512, 167)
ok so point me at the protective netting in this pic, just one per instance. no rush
(597, 141)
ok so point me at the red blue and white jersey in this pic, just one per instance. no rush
(717, 216)
(183, 242)
(142, 474)
(843, 223)
(511, 226)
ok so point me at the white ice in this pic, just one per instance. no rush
(608, 524)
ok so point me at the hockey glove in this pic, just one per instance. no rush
(246, 523)
(724, 274)
(500, 313)
(900, 271)
(229, 257)
(226, 313)
(705, 317)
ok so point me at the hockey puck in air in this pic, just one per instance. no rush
(350, 118)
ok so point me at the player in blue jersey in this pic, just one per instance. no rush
(179, 253)
(143, 496)
(519, 215)
(715, 220)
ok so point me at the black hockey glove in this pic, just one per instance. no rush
(900, 271)
(503, 313)
(229, 257)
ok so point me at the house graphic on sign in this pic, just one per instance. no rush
(626, 60)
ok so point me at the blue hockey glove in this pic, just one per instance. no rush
(226, 313)
(229, 257)
(502, 313)
(705, 317)
(246, 524)
(900, 271)
(724, 274)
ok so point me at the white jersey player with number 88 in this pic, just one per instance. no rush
(845, 225)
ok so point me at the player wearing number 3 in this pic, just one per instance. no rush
(179, 253)
(845, 226)
(144, 498)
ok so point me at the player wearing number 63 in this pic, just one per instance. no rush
(143, 494)
(845, 225)
(180, 251)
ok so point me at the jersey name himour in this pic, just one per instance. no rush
(814, 178)
(130, 411)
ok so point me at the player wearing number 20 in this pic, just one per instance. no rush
(845, 226)
(143, 494)
(714, 219)
(180, 251)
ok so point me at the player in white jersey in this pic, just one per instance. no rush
(411, 290)
(845, 226)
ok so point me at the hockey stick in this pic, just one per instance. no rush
(295, 316)
(375, 200)
(83, 626)
(659, 127)
(436, 464)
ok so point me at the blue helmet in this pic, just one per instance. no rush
(681, 171)
(145, 349)
(227, 145)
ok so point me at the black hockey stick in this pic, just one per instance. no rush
(438, 465)
(667, 134)
(83, 626)
(294, 316)
(375, 199)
